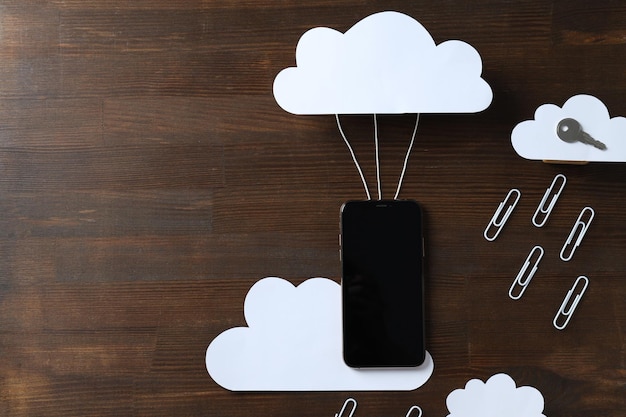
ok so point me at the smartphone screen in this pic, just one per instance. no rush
(382, 283)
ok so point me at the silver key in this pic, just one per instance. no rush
(570, 131)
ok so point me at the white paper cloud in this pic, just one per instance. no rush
(495, 398)
(293, 343)
(537, 139)
(387, 63)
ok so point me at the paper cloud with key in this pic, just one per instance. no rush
(293, 343)
(539, 139)
(387, 63)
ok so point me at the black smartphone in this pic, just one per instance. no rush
(382, 283)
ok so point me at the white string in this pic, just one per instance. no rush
(380, 194)
(406, 158)
(356, 163)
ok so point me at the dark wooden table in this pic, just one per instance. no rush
(148, 179)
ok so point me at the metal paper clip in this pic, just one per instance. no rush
(567, 312)
(415, 407)
(583, 226)
(524, 281)
(351, 401)
(542, 209)
(499, 223)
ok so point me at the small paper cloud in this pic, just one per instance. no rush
(537, 139)
(293, 343)
(385, 64)
(495, 398)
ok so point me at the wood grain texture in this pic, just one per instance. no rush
(148, 179)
